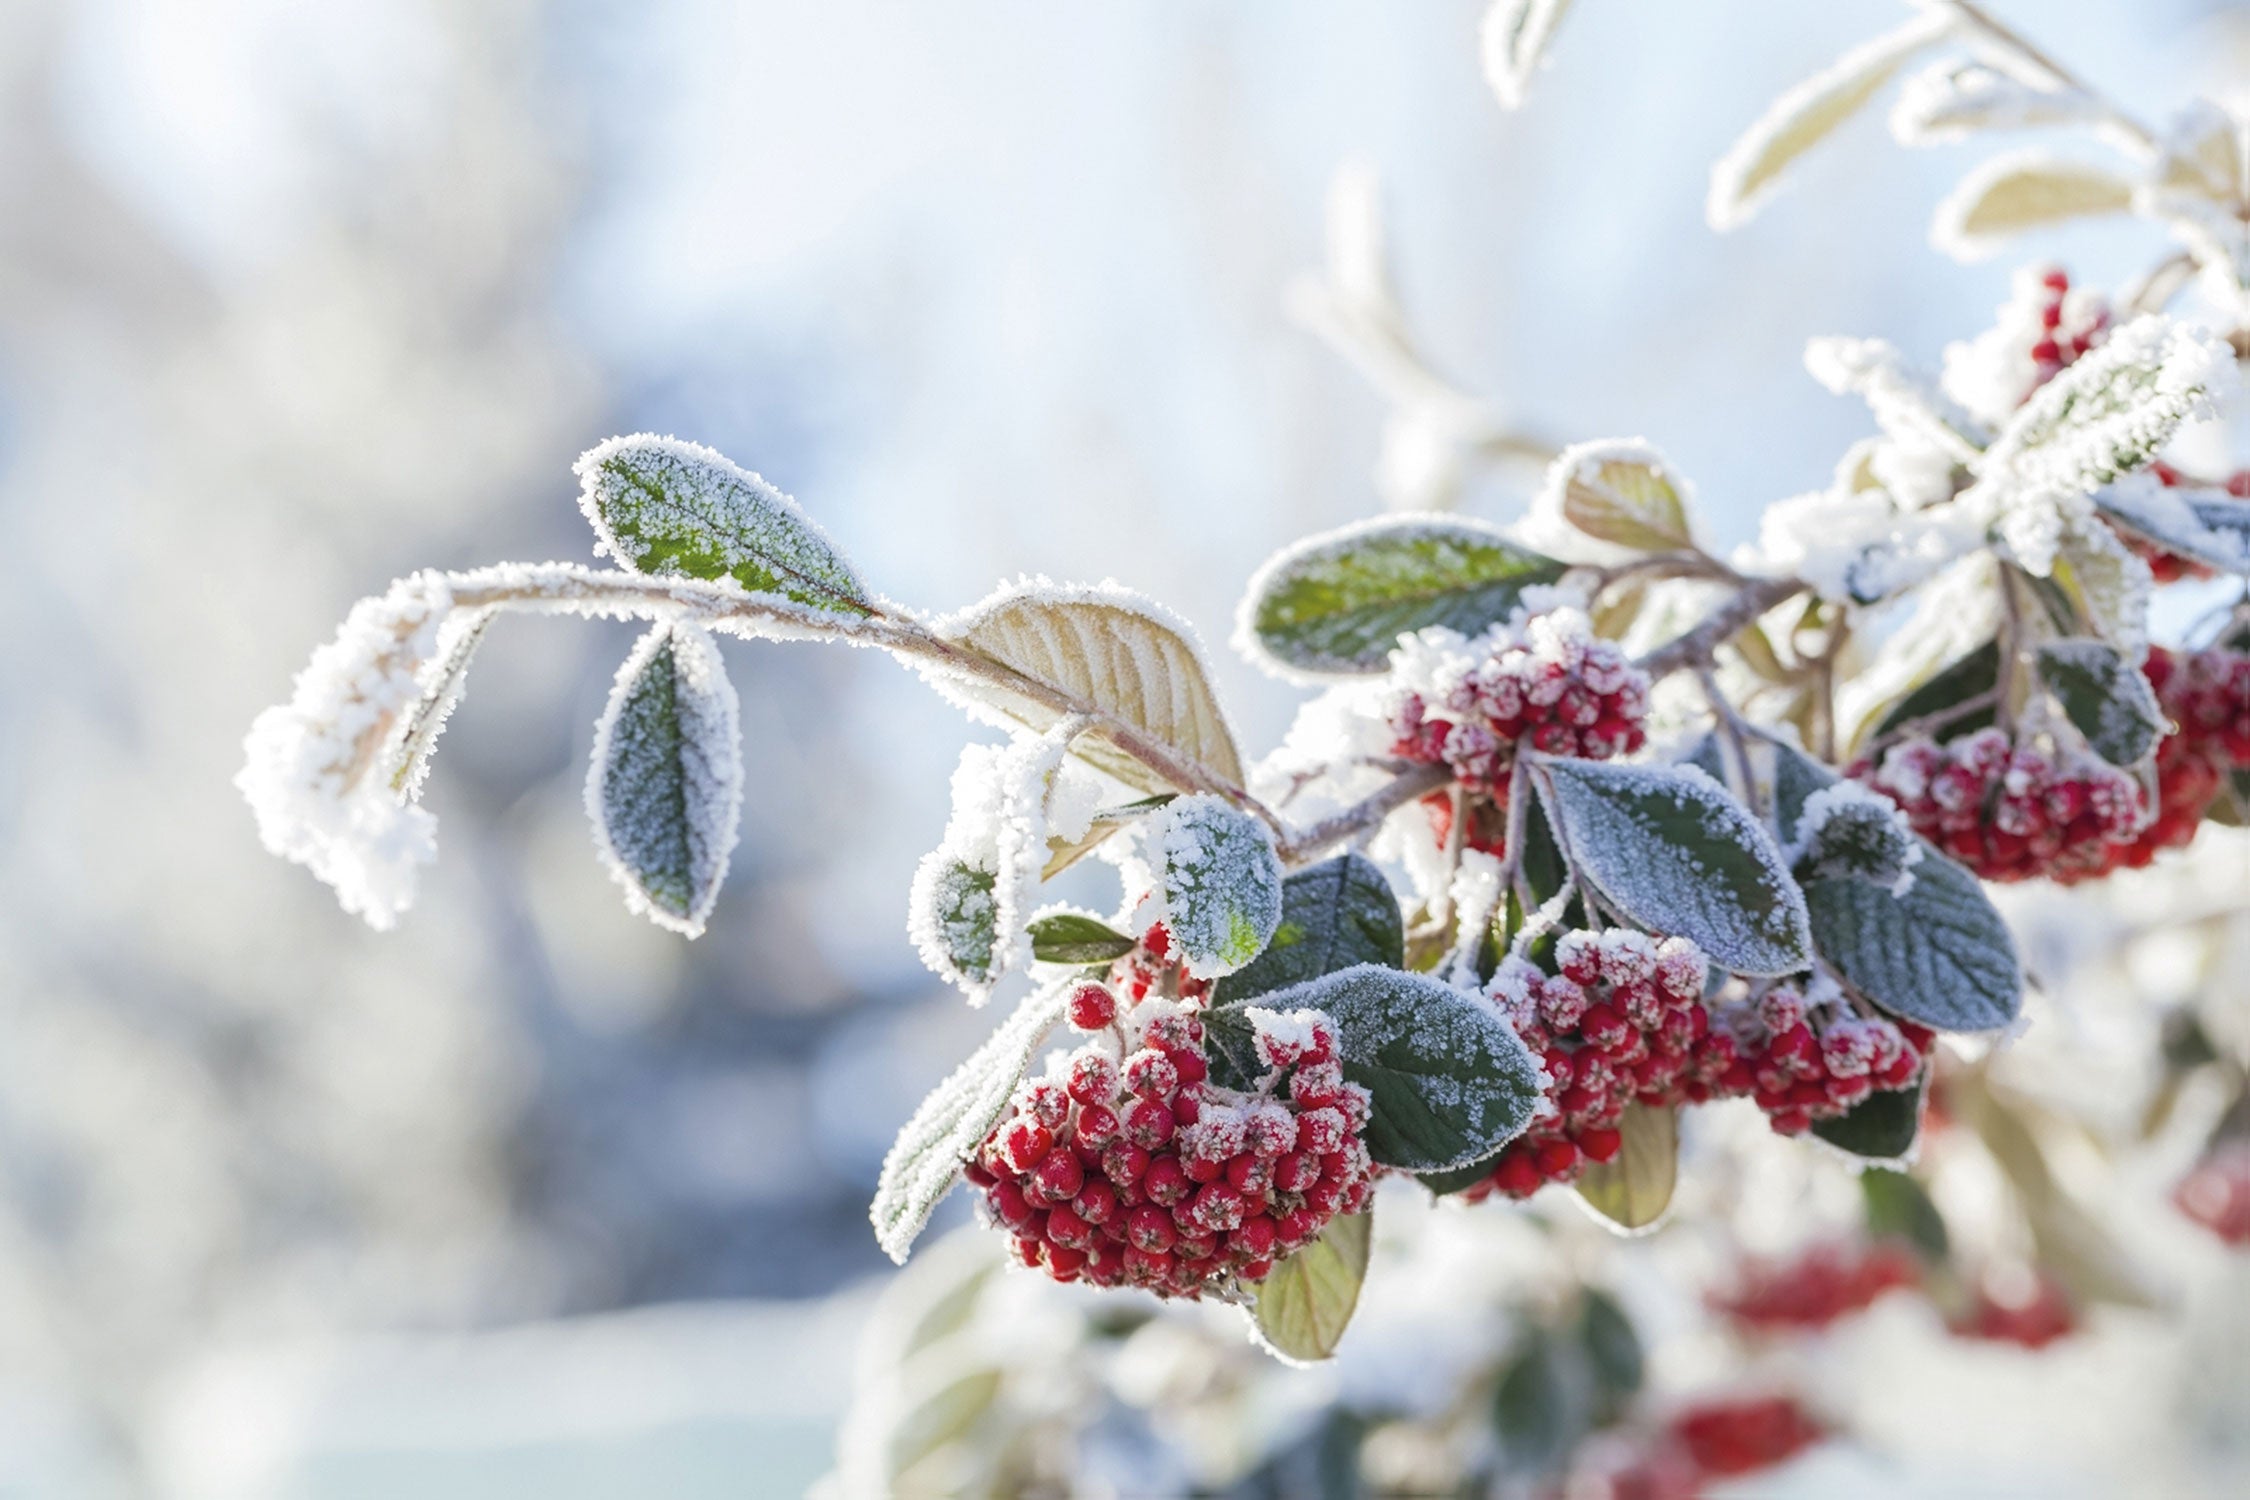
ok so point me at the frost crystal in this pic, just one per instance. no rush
(317, 771)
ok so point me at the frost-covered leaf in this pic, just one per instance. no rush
(1807, 114)
(2023, 190)
(1338, 602)
(443, 679)
(1062, 853)
(1909, 407)
(659, 505)
(1939, 954)
(665, 787)
(1069, 937)
(1846, 832)
(1881, 1127)
(1305, 1303)
(948, 1125)
(1513, 39)
(1954, 98)
(2107, 587)
(954, 918)
(2105, 696)
(1451, 1081)
(1633, 1188)
(1334, 915)
(2209, 525)
(1671, 851)
(1111, 652)
(1622, 492)
(1218, 882)
(2104, 417)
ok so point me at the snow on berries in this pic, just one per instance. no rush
(1549, 682)
(1126, 1166)
(2041, 330)
(2010, 810)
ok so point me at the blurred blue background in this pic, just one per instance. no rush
(528, 1196)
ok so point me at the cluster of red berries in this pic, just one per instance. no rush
(1814, 1060)
(1468, 705)
(2010, 810)
(1818, 1286)
(2216, 1194)
(1745, 1434)
(2206, 695)
(1622, 1021)
(2032, 1311)
(2069, 326)
(1126, 1166)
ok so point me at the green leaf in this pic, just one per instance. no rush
(659, 505)
(1612, 1346)
(1881, 1127)
(664, 788)
(1633, 1188)
(1334, 915)
(1939, 954)
(1069, 937)
(1899, 1208)
(954, 1120)
(1305, 1303)
(2105, 697)
(1337, 603)
(1450, 1079)
(1973, 674)
(1624, 493)
(1537, 1410)
(1220, 879)
(1673, 852)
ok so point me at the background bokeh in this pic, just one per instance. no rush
(528, 1196)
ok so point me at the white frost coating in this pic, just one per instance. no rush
(1907, 407)
(1851, 806)
(1513, 41)
(664, 790)
(1218, 882)
(1477, 892)
(1993, 374)
(1952, 99)
(445, 681)
(1854, 544)
(2102, 417)
(948, 1125)
(730, 516)
(1756, 165)
(2181, 519)
(1288, 1032)
(969, 908)
(317, 770)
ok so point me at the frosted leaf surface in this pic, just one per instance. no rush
(1452, 1083)
(1907, 406)
(1674, 853)
(1109, 651)
(1334, 915)
(2208, 525)
(2020, 191)
(1808, 114)
(317, 771)
(2104, 696)
(2107, 586)
(954, 1120)
(970, 905)
(659, 505)
(1336, 603)
(1513, 40)
(665, 787)
(1304, 1305)
(1218, 882)
(2103, 417)
(1939, 954)
(1854, 544)
(1993, 374)
(1618, 490)
(444, 679)
(1953, 98)
(1846, 832)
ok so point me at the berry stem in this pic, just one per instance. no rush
(1697, 646)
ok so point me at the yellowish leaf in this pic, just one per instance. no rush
(1305, 1304)
(2013, 193)
(1633, 1188)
